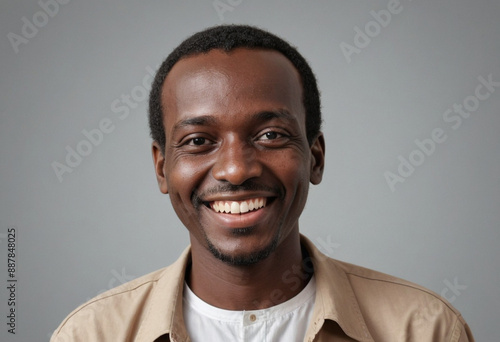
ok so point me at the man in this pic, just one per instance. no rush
(235, 119)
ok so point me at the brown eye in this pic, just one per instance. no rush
(273, 138)
(271, 135)
(198, 141)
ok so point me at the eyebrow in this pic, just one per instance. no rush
(204, 120)
(275, 114)
(208, 120)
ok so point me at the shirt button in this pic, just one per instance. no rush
(253, 318)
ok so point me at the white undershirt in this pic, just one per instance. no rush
(287, 321)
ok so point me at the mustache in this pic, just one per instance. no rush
(249, 185)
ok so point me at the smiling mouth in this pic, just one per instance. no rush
(238, 207)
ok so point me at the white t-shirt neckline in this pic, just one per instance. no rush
(288, 320)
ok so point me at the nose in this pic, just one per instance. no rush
(236, 162)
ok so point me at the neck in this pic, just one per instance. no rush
(274, 280)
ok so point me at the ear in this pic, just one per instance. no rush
(159, 164)
(317, 159)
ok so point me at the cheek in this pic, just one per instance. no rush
(185, 174)
(295, 176)
(293, 168)
(183, 178)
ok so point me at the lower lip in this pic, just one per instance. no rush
(238, 221)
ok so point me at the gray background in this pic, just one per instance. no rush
(106, 222)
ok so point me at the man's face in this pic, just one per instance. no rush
(237, 163)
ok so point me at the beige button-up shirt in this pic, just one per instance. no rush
(352, 304)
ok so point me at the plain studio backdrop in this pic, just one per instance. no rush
(411, 100)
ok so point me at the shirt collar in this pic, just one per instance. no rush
(335, 300)
(164, 314)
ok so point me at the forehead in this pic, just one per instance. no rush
(236, 81)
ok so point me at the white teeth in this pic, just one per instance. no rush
(237, 207)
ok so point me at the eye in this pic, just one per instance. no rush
(197, 141)
(270, 136)
(194, 143)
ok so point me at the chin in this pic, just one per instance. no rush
(243, 259)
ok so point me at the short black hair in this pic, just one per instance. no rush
(227, 38)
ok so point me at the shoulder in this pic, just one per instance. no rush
(371, 285)
(391, 308)
(409, 310)
(115, 312)
(361, 276)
